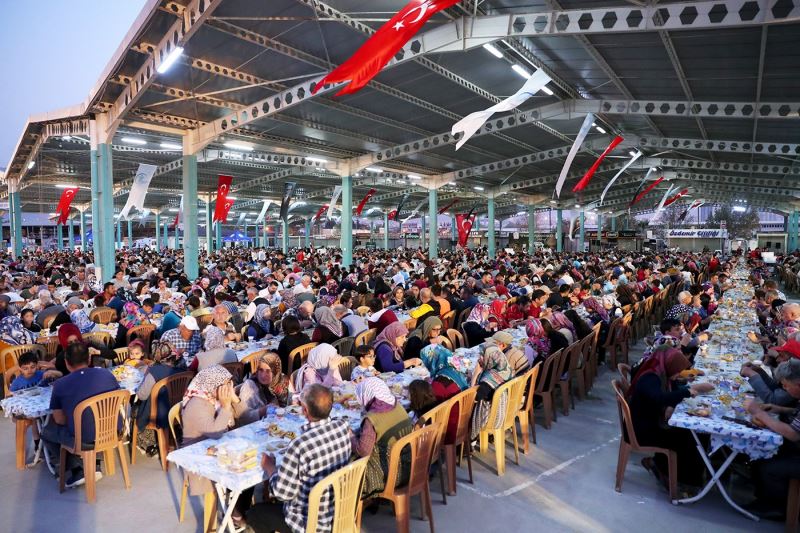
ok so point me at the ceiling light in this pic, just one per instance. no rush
(66, 138)
(238, 146)
(373, 169)
(31, 164)
(231, 198)
(478, 188)
(316, 160)
(171, 146)
(453, 183)
(601, 130)
(170, 59)
(633, 153)
(414, 177)
(546, 90)
(578, 205)
(134, 140)
(739, 208)
(521, 71)
(173, 210)
(493, 50)
(66, 186)
(553, 202)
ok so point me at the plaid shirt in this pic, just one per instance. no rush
(321, 449)
(190, 347)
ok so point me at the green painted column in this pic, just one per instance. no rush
(531, 228)
(82, 219)
(627, 223)
(130, 233)
(166, 235)
(71, 235)
(490, 207)
(422, 226)
(118, 242)
(158, 230)
(792, 230)
(347, 221)
(102, 169)
(385, 231)
(454, 227)
(285, 235)
(16, 221)
(59, 236)
(614, 223)
(308, 233)
(191, 245)
(209, 227)
(559, 231)
(219, 244)
(582, 231)
(433, 211)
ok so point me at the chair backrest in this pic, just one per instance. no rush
(50, 345)
(363, 310)
(624, 376)
(102, 315)
(612, 331)
(344, 346)
(625, 419)
(447, 344)
(345, 484)
(548, 373)
(410, 324)
(236, 368)
(462, 316)
(572, 358)
(174, 420)
(250, 362)
(301, 352)
(497, 417)
(421, 443)
(531, 375)
(366, 337)
(144, 333)
(516, 400)
(8, 377)
(10, 354)
(48, 321)
(346, 366)
(106, 410)
(100, 337)
(175, 384)
(563, 362)
(439, 415)
(464, 402)
(456, 338)
(447, 319)
(122, 355)
(203, 321)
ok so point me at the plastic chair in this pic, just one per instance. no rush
(624, 376)
(462, 316)
(9, 356)
(439, 415)
(421, 443)
(363, 310)
(447, 344)
(203, 321)
(144, 333)
(250, 362)
(50, 345)
(456, 338)
(122, 355)
(366, 337)
(345, 485)
(344, 346)
(99, 337)
(346, 366)
(21, 424)
(176, 385)
(106, 409)
(501, 421)
(526, 416)
(48, 322)
(545, 388)
(410, 324)
(174, 419)
(102, 315)
(628, 444)
(300, 352)
(793, 506)
(464, 401)
(569, 366)
(447, 319)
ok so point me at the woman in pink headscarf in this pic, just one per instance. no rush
(389, 349)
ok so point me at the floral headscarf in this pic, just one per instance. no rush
(258, 317)
(374, 389)
(560, 321)
(215, 338)
(494, 364)
(279, 387)
(537, 338)
(476, 315)
(388, 336)
(327, 318)
(132, 316)
(14, 333)
(436, 359)
(205, 384)
(594, 306)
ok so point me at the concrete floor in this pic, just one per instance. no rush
(565, 484)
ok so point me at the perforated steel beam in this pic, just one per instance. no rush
(740, 147)
(664, 108)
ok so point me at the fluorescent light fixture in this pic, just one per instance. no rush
(653, 169)
(171, 146)
(65, 186)
(578, 206)
(739, 208)
(31, 164)
(316, 159)
(173, 210)
(414, 177)
(553, 202)
(373, 169)
(478, 188)
(238, 146)
(633, 153)
(66, 138)
(134, 140)
(521, 71)
(453, 183)
(170, 59)
(546, 90)
(493, 50)
(231, 198)
(601, 130)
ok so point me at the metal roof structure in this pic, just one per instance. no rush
(709, 92)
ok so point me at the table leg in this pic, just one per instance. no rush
(21, 426)
(42, 449)
(227, 503)
(715, 479)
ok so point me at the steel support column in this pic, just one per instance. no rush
(285, 235)
(614, 223)
(559, 231)
(385, 230)
(158, 230)
(118, 240)
(130, 233)
(490, 234)
(59, 236)
(218, 230)
(209, 227)
(581, 231)
(83, 230)
(422, 232)
(433, 211)
(792, 230)
(16, 221)
(71, 234)
(531, 228)
(190, 234)
(454, 227)
(101, 168)
(308, 233)
(347, 221)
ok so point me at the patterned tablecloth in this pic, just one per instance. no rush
(35, 402)
(720, 360)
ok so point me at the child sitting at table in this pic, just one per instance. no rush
(421, 399)
(30, 375)
(136, 354)
(366, 368)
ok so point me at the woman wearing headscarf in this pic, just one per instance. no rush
(207, 413)
(268, 385)
(329, 327)
(477, 326)
(322, 366)
(497, 314)
(652, 397)
(214, 350)
(261, 325)
(389, 349)
(491, 371)
(13, 333)
(384, 423)
(563, 324)
(598, 314)
(428, 332)
(537, 349)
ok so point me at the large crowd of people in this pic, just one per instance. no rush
(244, 294)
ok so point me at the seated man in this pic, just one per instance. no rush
(322, 448)
(81, 383)
(185, 339)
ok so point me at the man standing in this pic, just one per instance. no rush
(322, 448)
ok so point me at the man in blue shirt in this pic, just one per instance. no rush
(81, 383)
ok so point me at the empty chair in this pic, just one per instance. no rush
(456, 338)
(366, 337)
(525, 415)
(506, 402)
(103, 315)
(345, 484)
(463, 402)
(346, 366)
(344, 346)
(545, 387)
(439, 415)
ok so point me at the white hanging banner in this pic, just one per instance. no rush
(663, 200)
(337, 191)
(141, 182)
(473, 122)
(263, 212)
(572, 228)
(584, 131)
(241, 218)
(414, 212)
(618, 174)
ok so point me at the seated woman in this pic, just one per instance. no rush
(428, 332)
(558, 340)
(14, 333)
(421, 400)
(477, 326)
(215, 352)
(26, 317)
(164, 365)
(389, 349)
(322, 366)
(380, 317)
(579, 325)
(491, 371)
(563, 325)
(538, 348)
(497, 314)
(398, 297)
(446, 381)
(329, 327)
(384, 423)
(293, 338)
(269, 385)
(131, 317)
(652, 397)
(261, 324)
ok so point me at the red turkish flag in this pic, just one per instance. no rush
(448, 206)
(675, 198)
(392, 214)
(226, 207)
(321, 210)
(64, 204)
(363, 202)
(464, 226)
(588, 176)
(647, 190)
(223, 187)
(379, 49)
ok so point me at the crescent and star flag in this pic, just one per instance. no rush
(337, 191)
(448, 206)
(223, 187)
(178, 216)
(321, 210)
(399, 207)
(288, 190)
(263, 212)
(675, 198)
(141, 182)
(473, 122)
(379, 49)
(463, 226)
(584, 131)
(695, 205)
(618, 174)
(392, 214)
(67, 195)
(588, 176)
(647, 190)
(363, 202)
(227, 203)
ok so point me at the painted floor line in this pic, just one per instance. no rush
(544, 475)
